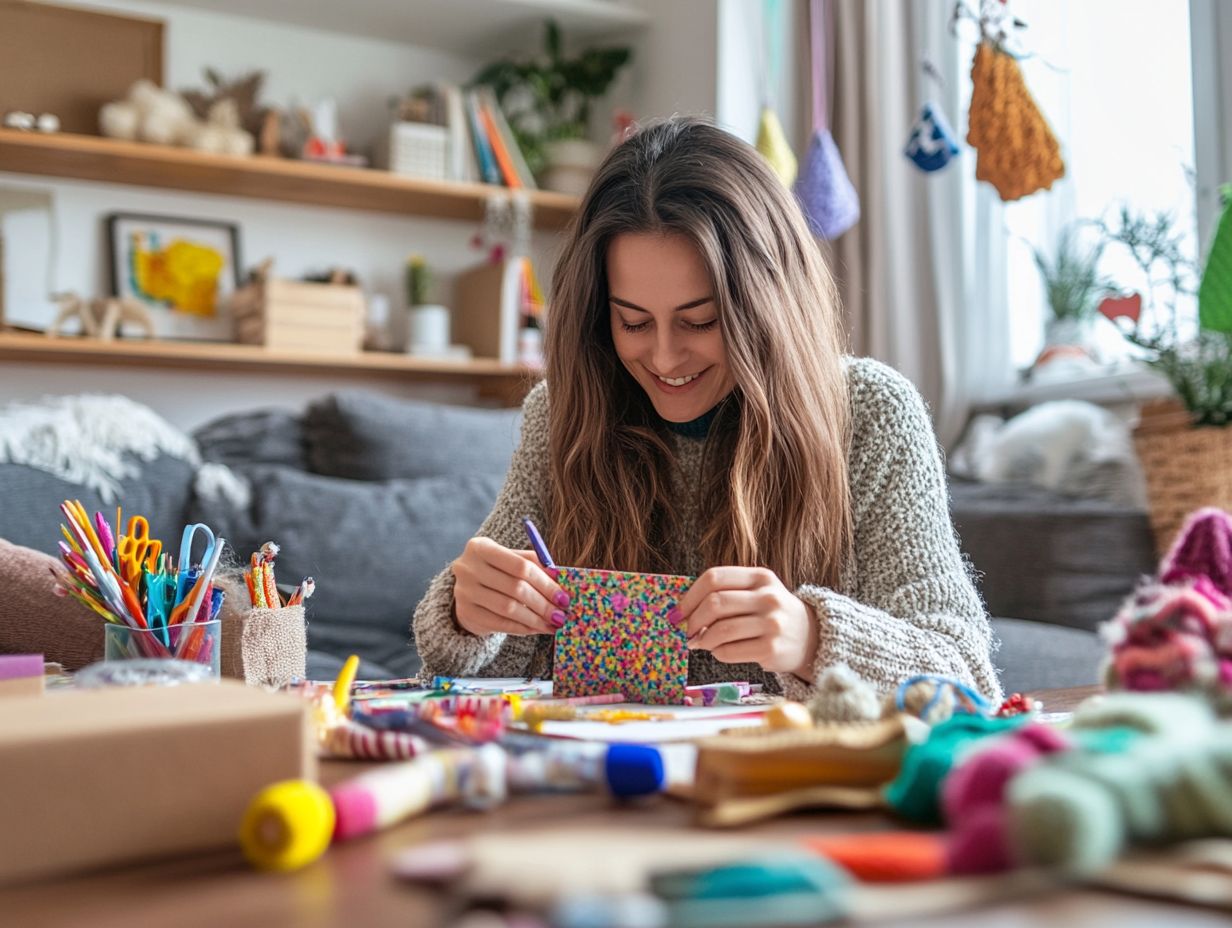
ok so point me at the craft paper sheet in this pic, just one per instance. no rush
(617, 638)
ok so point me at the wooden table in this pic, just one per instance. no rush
(351, 886)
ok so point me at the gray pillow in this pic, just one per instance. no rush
(372, 547)
(30, 508)
(266, 436)
(366, 436)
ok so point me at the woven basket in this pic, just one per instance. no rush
(1186, 468)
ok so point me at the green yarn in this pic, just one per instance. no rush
(1147, 769)
(915, 793)
(1215, 290)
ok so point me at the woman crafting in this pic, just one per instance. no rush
(700, 417)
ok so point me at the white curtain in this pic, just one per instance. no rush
(922, 274)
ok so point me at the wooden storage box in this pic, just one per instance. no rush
(291, 315)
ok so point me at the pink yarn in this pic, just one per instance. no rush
(973, 797)
(1202, 549)
(1175, 633)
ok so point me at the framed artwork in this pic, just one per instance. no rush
(183, 269)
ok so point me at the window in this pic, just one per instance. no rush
(1114, 80)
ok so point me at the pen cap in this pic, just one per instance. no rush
(634, 770)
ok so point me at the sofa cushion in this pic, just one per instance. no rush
(1048, 557)
(1036, 655)
(30, 513)
(265, 436)
(362, 435)
(33, 620)
(371, 547)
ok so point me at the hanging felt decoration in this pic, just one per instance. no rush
(1215, 291)
(771, 139)
(826, 194)
(931, 144)
(1016, 150)
(772, 143)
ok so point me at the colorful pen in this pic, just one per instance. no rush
(536, 541)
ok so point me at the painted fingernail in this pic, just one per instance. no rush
(561, 598)
(558, 619)
(675, 615)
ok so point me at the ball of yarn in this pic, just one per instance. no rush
(1062, 819)
(841, 696)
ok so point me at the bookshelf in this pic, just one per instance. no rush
(85, 157)
(505, 382)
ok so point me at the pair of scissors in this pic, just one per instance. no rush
(184, 565)
(138, 551)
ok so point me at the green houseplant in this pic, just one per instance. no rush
(1183, 443)
(547, 99)
(1072, 281)
(1197, 364)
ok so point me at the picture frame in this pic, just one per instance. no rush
(182, 269)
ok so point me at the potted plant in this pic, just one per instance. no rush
(547, 103)
(1183, 442)
(1073, 287)
(428, 323)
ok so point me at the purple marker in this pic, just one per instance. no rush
(536, 541)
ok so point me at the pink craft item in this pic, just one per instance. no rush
(1203, 548)
(973, 797)
(19, 666)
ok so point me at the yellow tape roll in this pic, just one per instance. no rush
(288, 825)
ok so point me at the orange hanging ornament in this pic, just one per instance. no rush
(1016, 150)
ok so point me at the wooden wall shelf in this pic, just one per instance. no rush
(87, 157)
(506, 382)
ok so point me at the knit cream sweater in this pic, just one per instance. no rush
(905, 604)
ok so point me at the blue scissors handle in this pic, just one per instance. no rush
(185, 562)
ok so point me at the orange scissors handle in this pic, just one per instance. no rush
(138, 550)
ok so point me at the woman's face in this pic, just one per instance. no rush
(665, 324)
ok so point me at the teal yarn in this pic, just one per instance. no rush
(1148, 769)
(915, 793)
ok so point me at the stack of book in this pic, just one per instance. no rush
(479, 145)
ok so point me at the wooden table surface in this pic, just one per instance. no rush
(351, 885)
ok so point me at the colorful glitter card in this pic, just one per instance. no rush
(618, 637)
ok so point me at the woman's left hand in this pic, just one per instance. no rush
(745, 614)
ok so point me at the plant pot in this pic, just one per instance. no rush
(1071, 332)
(571, 165)
(1186, 467)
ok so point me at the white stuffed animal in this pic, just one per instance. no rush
(221, 132)
(151, 114)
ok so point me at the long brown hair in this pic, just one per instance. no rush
(774, 491)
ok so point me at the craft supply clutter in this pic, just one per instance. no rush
(976, 789)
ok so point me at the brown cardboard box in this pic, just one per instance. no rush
(101, 777)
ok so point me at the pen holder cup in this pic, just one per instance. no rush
(199, 643)
(265, 647)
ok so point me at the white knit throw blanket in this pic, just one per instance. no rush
(84, 439)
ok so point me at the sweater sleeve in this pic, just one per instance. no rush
(915, 608)
(446, 647)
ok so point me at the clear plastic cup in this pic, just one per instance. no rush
(199, 643)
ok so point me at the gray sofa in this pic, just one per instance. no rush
(373, 496)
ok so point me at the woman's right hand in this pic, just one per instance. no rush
(498, 589)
